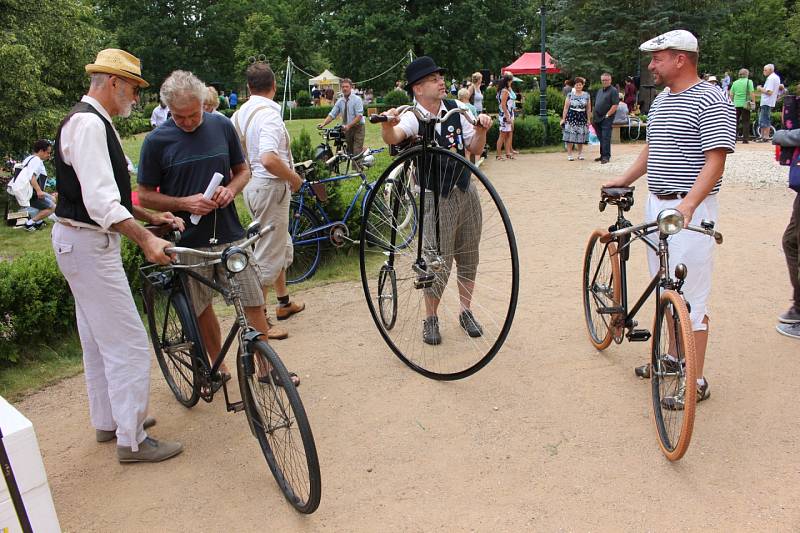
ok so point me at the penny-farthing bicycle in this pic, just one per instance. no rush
(463, 257)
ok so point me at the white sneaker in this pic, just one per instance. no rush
(570, 158)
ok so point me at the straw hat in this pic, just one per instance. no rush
(118, 63)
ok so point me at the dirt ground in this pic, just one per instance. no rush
(551, 435)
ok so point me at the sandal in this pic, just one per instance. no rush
(500, 157)
(277, 379)
(509, 156)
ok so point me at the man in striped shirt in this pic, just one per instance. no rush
(691, 129)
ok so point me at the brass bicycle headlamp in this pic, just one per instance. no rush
(235, 259)
(670, 221)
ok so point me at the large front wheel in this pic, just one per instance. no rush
(673, 377)
(174, 334)
(280, 425)
(442, 296)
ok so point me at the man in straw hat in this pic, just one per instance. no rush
(691, 128)
(94, 209)
(459, 200)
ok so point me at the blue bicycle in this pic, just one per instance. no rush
(310, 225)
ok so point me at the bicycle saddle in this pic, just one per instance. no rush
(616, 192)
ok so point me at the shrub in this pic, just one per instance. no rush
(396, 97)
(137, 122)
(299, 113)
(490, 100)
(228, 112)
(303, 99)
(555, 101)
(301, 146)
(35, 303)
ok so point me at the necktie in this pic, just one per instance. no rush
(345, 118)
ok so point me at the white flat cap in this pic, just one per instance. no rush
(672, 40)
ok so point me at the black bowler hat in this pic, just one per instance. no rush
(419, 68)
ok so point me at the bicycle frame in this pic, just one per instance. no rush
(307, 237)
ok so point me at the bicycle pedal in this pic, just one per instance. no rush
(610, 310)
(423, 282)
(639, 335)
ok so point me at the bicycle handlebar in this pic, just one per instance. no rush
(646, 225)
(215, 255)
(374, 119)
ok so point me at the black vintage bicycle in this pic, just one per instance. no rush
(673, 366)
(268, 396)
(463, 226)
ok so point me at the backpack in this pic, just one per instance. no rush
(13, 186)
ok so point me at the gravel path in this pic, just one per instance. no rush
(752, 165)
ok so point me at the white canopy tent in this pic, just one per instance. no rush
(326, 79)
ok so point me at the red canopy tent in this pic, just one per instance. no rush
(531, 63)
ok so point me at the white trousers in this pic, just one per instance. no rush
(116, 352)
(694, 250)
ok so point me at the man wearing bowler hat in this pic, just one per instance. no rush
(691, 129)
(459, 201)
(94, 209)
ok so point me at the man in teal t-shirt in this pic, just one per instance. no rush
(742, 92)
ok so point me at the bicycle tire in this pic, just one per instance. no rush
(673, 427)
(387, 295)
(376, 228)
(277, 417)
(602, 288)
(496, 280)
(176, 340)
(403, 175)
(307, 253)
(756, 130)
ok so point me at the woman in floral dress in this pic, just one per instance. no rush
(575, 119)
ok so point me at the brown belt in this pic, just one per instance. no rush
(672, 196)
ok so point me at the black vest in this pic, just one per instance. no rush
(448, 172)
(70, 200)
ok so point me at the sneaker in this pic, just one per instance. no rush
(103, 435)
(570, 158)
(678, 402)
(150, 451)
(581, 158)
(469, 324)
(703, 391)
(792, 316)
(430, 331)
(31, 227)
(285, 311)
(790, 330)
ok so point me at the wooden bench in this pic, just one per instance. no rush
(12, 214)
(617, 128)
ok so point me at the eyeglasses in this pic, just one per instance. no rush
(136, 88)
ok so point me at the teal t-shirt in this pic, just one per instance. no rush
(740, 89)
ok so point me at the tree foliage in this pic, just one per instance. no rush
(42, 66)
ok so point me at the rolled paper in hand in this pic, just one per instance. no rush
(216, 179)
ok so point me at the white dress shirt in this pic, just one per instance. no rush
(159, 116)
(410, 125)
(83, 146)
(265, 133)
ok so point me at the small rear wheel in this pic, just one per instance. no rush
(280, 425)
(673, 375)
(175, 337)
(602, 289)
(387, 296)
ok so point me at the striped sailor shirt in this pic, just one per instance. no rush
(680, 128)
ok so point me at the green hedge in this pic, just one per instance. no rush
(397, 97)
(529, 132)
(490, 104)
(555, 101)
(137, 122)
(36, 305)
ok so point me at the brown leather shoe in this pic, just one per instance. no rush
(103, 435)
(285, 311)
(274, 332)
